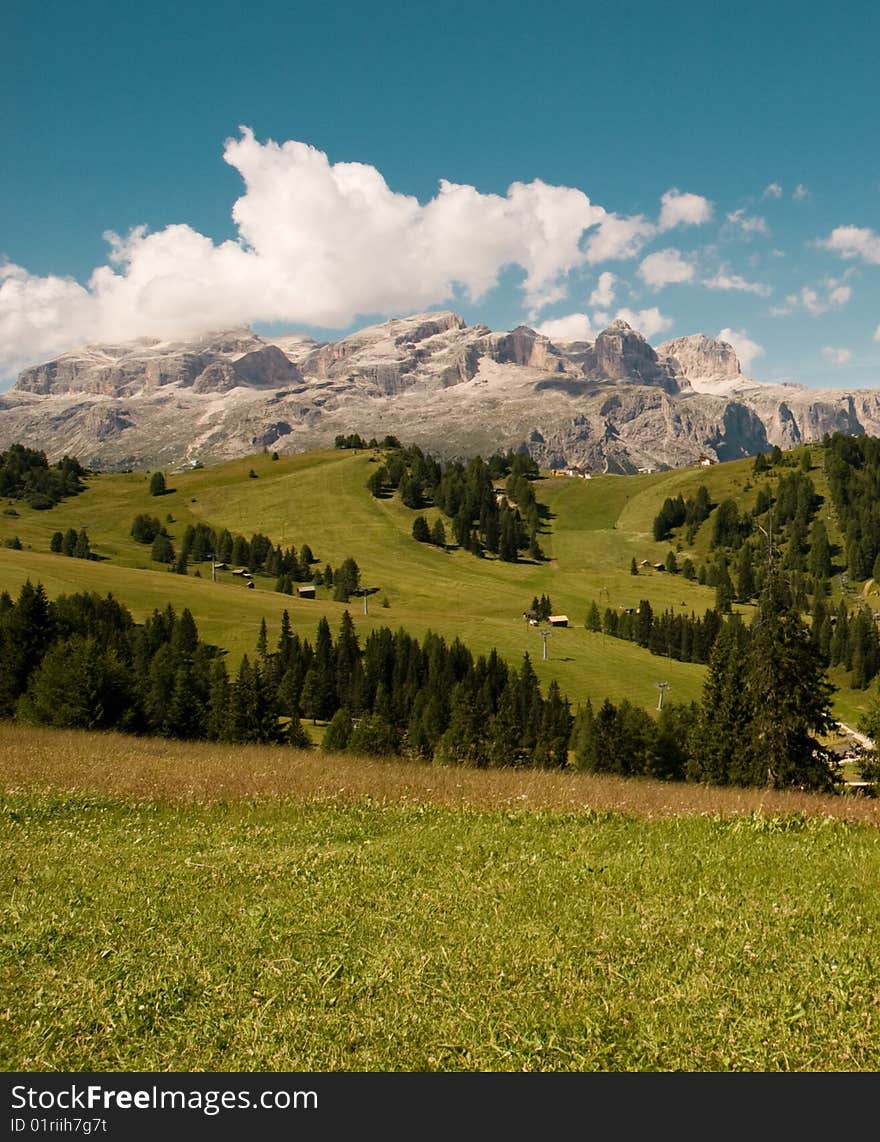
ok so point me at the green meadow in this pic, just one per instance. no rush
(181, 907)
(595, 528)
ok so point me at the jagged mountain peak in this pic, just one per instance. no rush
(616, 403)
(709, 364)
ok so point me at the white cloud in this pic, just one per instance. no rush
(681, 209)
(572, 327)
(665, 267)
(774, 190)
(617, 238)
(748, 223)
(727, 281)
(854, 242)
(646, 321)
(318, 244)
(834, 296)
(836, 356)
(877, 333)
(745, 348)
(800, 192)
(603, 294)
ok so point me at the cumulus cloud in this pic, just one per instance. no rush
(773, 190)
(836, 356)
(748, 224)
(877, 333)
(834, 294)
(800, 192)
(646, 321)
(681, 209)
(728, 281)
(603, 294)
(318, 244)
(572, 327)
(619, 237)
(854, 242)
(665, 267)
(745, 348)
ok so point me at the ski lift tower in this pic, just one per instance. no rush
(545, 634)
(365, 592)
(662, 687)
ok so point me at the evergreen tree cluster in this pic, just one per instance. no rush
(740, 543)
(677, 512)
(847, 639)
(82, 662)
(625, 740)
(427, 699)
(355, 440)
(200, 542)
(145, 528)
(26, 474)
(852, 467)
(505, 524)
(541, 609)
(765, 704)
(685, 638)
(73, 543)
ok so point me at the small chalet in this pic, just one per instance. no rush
(307, 592)
(579, 473)
(558, 620)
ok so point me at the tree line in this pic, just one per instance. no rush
(764, 708)
(686, 638)
(81, 661)
(852, 467)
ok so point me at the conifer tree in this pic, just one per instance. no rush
(789, 698)
(263, 640)
(216, 723)
(338, 732)
(721, 741)
(295, 734)
(420, 530)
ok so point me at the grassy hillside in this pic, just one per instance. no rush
(595, 528)
(188, 907)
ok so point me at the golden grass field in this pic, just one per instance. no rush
(49, 761)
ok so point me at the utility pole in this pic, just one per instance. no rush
(662, 687)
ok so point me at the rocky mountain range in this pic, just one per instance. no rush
(614, 404)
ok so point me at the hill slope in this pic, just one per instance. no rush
(595, 529)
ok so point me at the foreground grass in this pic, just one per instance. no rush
(169, 907)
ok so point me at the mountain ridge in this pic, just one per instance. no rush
(612, 404)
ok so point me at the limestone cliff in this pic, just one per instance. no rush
(612, 404)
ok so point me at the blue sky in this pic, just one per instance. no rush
(693, 169)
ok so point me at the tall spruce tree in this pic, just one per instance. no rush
(721, 743)
(789, 697)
